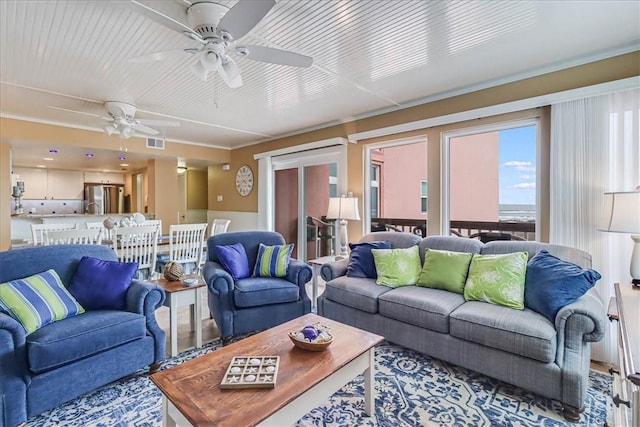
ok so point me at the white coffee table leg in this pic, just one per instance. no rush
(167, 421)
(173, 321)
(369, 381)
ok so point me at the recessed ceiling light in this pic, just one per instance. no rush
(40, 166)
(124, 164)
(89, 154)
(53, 151)
(47, 159)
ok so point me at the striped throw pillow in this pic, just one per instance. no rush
(273, 261)
(38, 300)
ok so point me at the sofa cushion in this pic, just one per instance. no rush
(361, 263)
(234, 259)
(257, 291)
(424, 307)
(102, 285)
(356, 292)
(273, 261)
(75, 338)
(553, 283)
(445, 270)
(525, 332)
(497, 279)
(397, 267)
(38, 300)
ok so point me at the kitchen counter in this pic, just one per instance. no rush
(21, 224)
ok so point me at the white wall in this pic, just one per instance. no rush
(239, 220)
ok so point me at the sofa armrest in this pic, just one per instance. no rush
(585, 317)
(14, 372)
(145, 298)
(331, 270)
(299, 273)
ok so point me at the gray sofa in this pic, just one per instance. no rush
(520, 347)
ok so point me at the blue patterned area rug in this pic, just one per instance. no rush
(411, 390)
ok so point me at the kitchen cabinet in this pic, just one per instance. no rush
(103, 178)
(43, 184)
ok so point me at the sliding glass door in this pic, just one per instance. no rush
(302, 186)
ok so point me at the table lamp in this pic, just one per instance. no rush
(621, 214)
(343, 208)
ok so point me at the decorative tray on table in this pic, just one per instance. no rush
(251, 372)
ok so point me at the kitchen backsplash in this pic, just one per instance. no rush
(44, 207)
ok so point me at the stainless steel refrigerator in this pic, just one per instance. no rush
(103, 199)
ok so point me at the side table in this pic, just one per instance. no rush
(178, 295)
(317, 264)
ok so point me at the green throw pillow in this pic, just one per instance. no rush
(497, 279)
(273, 261)
(397, 267)
(445, 270)
(38, 300)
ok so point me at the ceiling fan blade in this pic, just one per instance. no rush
(160, 123)
(245, 15)
(199, 70)
(170, 14)
(80, 112)
(230, 73)
(158, 56)
(274, 56)
(144, 129)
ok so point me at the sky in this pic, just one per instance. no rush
(517, 158)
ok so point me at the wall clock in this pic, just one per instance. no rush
(244, 180)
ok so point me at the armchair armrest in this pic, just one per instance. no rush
(299, 273)
(145, 298)
(331, 270)
(220, 287)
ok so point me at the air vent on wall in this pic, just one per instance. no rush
(156, 143)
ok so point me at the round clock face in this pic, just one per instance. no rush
(244, 180)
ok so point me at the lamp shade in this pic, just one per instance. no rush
(343, 208)
(621, 213)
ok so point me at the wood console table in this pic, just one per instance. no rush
(625, 308)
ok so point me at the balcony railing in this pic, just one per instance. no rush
(502, 230)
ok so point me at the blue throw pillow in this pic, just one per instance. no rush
(361, 263)
(273, 261)
(38, 300)
(234, 259)
(102, 285)
(552, 283)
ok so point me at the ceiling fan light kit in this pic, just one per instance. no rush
(215, 27)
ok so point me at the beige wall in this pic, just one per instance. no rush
(197, 190)
(5, 196)
(163, 191)
(223, 182)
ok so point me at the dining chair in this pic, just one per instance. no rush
(138, 244)
(185, 246)
(219, 226)
(38, 231)
(73, 236)
(107, 234)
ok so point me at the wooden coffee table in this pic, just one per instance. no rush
(193, 397)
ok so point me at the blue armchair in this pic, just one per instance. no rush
(69, 357)
(253, 303)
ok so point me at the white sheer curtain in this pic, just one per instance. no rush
(595, 147)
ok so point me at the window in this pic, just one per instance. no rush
(423, 196)
(491, 179)
(375, 191)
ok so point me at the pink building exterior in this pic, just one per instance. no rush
(474, 177)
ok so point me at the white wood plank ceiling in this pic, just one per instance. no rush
(368, 56)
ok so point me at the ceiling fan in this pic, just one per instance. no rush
(215, 27)
(121, 119)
